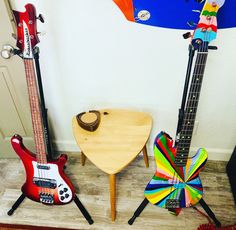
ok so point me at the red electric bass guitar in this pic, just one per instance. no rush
(45, 181)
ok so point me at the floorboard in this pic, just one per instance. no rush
(92, 187)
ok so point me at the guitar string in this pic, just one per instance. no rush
(196, 72)
(29, 81)
(203, 57)
(38, 122)
(175, 179)
(197, 87)
(42, 143)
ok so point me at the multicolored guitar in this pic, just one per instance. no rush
(45, 181)
(176, 183)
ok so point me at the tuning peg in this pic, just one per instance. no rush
(40, 18)
(7, 51)
(187, 35)
(212, 47)
(197, 11)
(191, 23)
(41, 33)
(199, 1)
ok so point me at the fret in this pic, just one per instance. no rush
(199, 77)
(188, 127)
(192, 92)
(185, 134)
(193, 100)
(200, 64)
(183, 153)
(191, 110)
(184, 145)
(190, 115)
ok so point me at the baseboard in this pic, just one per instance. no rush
(213, 153)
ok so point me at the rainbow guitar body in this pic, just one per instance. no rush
(174, 186)
(45, 183)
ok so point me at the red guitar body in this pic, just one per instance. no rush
(47, 183)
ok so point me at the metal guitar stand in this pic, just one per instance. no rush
(179, 127)
(47, 138)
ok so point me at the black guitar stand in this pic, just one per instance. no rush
(201, 202)
(179, 127)
(47, 139)
(76, 200)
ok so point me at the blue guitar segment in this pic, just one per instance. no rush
(206, 37)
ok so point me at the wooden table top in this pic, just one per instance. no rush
(119, 138)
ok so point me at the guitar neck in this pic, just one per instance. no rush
(36, 114)
(191, 108)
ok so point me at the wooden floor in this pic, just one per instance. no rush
(92, 187)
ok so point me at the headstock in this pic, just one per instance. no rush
(206, 29)
(27, 37)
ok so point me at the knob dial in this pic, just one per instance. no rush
(7, 51)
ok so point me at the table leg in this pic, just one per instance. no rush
(83, 158)
(113, 196)
(145, 156)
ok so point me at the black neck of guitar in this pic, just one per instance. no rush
(190, 111)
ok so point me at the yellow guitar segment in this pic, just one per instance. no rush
(210, 8)
(201, 156)
(195, 195)
(187, 167)
(159, 195)
(169, 171)
(166, 167)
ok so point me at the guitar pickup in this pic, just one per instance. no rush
(45, 167)
(172, 203)
(45, 183)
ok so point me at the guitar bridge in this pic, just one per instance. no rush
(46, 198)
(172, 203)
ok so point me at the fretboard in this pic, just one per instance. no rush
(35, 111)
(190, 112)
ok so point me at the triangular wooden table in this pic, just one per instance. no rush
(120, 137)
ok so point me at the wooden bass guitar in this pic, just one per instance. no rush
(176, 183)
(45, 181)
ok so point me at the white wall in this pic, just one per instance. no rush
(92, 58)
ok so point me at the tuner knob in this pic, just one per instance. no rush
(40, 18)
(41, 33)
(187, 35)
(7, 51)
(191, 23)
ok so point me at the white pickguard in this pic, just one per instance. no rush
(63, 189)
